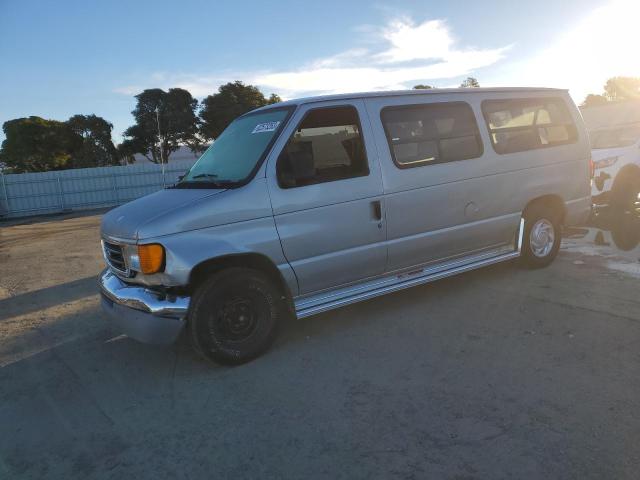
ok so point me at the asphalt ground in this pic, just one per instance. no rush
(497, 373)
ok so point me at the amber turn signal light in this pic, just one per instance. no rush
(151, 258)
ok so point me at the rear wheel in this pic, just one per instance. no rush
(542, 236)
(234, 315)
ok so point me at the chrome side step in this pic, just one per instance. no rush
(324, 301)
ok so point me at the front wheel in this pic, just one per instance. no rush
(234, 315)
(541, 239)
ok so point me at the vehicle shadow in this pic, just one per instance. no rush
(384, 311)
(48, 297)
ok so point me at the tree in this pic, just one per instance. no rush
(593, 100)
(232, 100)
(622, 88)
(127, 151)
(470, 82)
(164, 122)
(97, 148)
(420, 86)
(617, 89)
(35, 144)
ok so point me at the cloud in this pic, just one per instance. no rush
(399, 55)
(129, 89)
(429, 40)
(198, 85)
(340, 59)
(411, 53)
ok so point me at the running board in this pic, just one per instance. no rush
(322, 302)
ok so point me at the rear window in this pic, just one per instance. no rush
(432, 133)
(518, 125)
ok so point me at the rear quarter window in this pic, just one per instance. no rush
(517, 125)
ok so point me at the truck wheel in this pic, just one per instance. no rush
(541, 239)
(234, 315)
(624, 194)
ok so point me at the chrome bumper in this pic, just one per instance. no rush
(141, 313)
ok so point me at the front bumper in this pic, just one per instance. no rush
(141, 313)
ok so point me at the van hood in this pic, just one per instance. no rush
(126, 221)
(182, 210)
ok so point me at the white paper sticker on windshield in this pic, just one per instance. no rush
(266, 127)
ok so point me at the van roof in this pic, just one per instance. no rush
(429, 91)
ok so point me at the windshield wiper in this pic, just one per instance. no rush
(205, 175)
(191, 183)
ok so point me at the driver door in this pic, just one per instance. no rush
(326, 192)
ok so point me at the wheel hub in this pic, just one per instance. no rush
(237, 319)
(542, 238)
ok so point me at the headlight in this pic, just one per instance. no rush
(147, 259)
(605, 162)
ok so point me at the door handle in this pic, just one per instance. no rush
(377, 210)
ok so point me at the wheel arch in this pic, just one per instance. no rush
(255, 261)
(552, 202)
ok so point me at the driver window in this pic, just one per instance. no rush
(326, 146)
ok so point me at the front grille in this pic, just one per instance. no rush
(114, 257)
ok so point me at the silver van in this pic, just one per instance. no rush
(308, 205)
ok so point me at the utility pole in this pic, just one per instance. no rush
(160, 140)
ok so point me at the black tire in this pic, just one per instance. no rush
(537, 216)
(234, 316)
(624, 194)
(625, 231)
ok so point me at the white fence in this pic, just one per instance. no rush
(27, 194)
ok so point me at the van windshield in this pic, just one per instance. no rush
(236, 152)
(617, 137)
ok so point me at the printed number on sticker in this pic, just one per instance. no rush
(265, 127)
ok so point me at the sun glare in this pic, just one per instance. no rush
(597, 47)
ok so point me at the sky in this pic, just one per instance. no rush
(60, 58)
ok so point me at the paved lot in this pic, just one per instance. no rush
(498, 373)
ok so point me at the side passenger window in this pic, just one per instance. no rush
(527, 124)
(431, 133)
(326, 146)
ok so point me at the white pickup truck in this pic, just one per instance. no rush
(614, 132)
